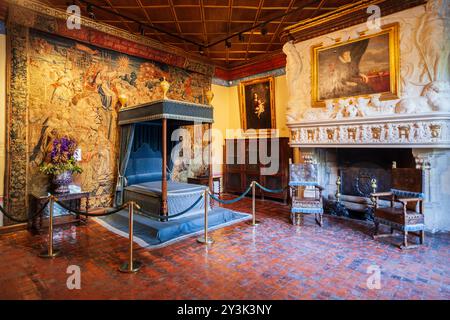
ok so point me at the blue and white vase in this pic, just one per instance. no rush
(62, 181)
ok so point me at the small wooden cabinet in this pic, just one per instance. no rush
(243, 164)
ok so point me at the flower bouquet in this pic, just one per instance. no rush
(61, 163)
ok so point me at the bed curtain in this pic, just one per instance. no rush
(126, 145)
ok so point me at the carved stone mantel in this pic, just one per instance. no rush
(428, 130)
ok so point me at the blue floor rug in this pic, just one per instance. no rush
(155, 234)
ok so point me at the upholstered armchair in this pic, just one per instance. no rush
(405, 214)
(306, 193)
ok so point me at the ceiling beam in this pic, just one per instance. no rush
(140, 22)
(258, 25)
(139, 2)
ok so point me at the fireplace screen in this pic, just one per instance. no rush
(358, 181)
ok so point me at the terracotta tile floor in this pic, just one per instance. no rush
(276, 260)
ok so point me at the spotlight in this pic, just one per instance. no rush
(200, 50)
(227, 44)
(142, 30)
(263, 30)
(241, 37)
(90, 12)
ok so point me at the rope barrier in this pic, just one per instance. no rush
(173, 215)
(84, 213)
(230, 201)
(133, 265)
(116, 210)
(23, 220)
(270, 190)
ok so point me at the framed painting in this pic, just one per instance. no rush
(257, 104)
(362, 67)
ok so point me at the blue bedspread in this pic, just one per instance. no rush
(180, 196)
(173, 188)
(156, 232)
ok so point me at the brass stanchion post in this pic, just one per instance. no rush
(205, 239)
(50, 253)
(132, 266)
(254, 222)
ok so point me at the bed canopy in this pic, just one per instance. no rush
(145, 150)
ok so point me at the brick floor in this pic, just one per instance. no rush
(275, 260)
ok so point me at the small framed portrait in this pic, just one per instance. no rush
(257, 104)
(362, 67)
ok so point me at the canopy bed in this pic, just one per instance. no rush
(144, 152)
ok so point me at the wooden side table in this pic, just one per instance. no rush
(71, 199)
(205, 181)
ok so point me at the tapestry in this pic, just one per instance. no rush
(74, 89)
(196, 163)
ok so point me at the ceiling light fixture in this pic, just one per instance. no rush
(227, 44)
(201, 50)
(141, 30)
(263, 30)
(241, 37)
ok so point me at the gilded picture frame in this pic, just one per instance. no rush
(375, 58)
(257, 105)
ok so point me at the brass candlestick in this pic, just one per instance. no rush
(374, 189)
(338, 191)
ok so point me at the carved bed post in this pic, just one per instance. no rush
(164, 208)
(210, 169)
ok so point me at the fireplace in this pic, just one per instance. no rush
(424, 135)
(358, 167)
(432, 163)
(362, 172)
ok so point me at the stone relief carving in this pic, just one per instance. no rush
(425, 49)
(432, 40)
(435, 52)
(294, 68)
(437, 94)
(351, 108)
(422, 130)
(411, 105)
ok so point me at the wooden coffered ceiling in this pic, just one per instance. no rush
(207, 21)
(200, 26)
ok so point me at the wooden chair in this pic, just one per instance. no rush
(306, 193)
(405, 218)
